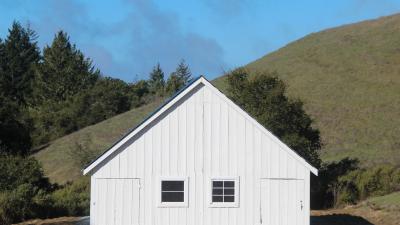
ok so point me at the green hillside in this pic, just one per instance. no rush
(348, 77)
(56, 158)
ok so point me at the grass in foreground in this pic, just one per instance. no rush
(390, 202)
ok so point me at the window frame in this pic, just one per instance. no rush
(235, 203)
(185, 202)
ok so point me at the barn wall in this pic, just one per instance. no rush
(201, 137)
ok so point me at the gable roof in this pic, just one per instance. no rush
(174, 99)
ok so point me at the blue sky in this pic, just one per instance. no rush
(126, 38)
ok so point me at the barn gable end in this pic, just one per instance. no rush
(182, 95)
(197, 136)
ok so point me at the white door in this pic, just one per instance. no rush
(282, 202)
(116, 202)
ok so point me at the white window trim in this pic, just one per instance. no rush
(185, 202)
(234, 204)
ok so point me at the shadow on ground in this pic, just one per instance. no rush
(339, 219)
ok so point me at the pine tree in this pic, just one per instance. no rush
(179, 78)
(20, 56)
(183, 73)
(156, 81)
(2, 64)
(174, 83)
(65, 71)
(14, 134)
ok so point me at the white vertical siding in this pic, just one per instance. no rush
(200, 137)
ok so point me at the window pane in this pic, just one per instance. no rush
(172, 185)
(217, 191)
(217, 183)
(229, 191)
(172, 197)
(229, 198)
(217, 199)
(229, 183)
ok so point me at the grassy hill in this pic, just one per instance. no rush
(56, 158)
(348, 77)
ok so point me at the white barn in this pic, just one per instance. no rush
(200, 160)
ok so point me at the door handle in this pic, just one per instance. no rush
(301, 205)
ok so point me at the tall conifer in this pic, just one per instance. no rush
(65, 71)
(20, 56)
(156, 81)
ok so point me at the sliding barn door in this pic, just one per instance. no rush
(117, 202)
(282, 202)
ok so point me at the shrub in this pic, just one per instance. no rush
(19, 204)
(73, 199)
(15, 171)
(363, 183)
(24, 190)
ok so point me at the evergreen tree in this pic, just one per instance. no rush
(2, 58)
(174, 83)
(65, 71)
(263, 96)
(20, 55)
(14, 134)
(179, 78)
(156, 81)
(183, 73)
(139, 91)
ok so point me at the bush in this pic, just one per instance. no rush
(24, 202)
(24, 190)
(15, 171)
(72, 200)
(364, 183)
(326, 187)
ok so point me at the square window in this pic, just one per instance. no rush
(223, 193)
(173, 192)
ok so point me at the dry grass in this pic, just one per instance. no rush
(57, 162)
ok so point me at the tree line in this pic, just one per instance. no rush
(50, 93)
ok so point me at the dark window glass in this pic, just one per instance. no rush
(223, 191)
(229, 184)
(172, 191)
(217, 199)
(229, 198)
(172, 185)
(218, 191)
(218, 183)
(229, 191)
(172, 197)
